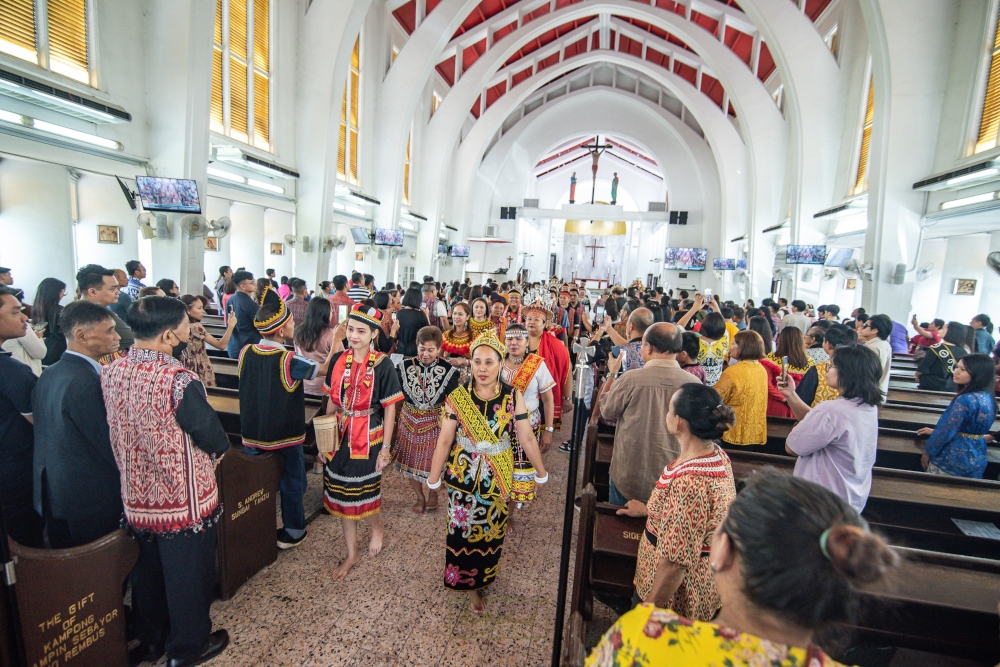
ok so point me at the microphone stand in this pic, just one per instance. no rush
(583, 352)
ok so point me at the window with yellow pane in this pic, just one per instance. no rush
(59, 42)
(241, 71)
(347, 152)
(861, 179)
(990, 118)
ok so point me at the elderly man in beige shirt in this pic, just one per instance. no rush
(639, 400)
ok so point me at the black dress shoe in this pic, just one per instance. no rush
(145, 653)
(217, 643)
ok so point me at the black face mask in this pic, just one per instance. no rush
(176, 350)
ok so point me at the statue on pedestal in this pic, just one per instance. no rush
(572, 188)
(614, 189)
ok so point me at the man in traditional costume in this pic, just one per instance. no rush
(364, 389)
(529, 375)
(482, 422)
(272, 407)
(167, 440)
(427, 381)
(514, 302)
(498, 314)
(555, 354)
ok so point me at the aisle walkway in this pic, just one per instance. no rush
(394, 609)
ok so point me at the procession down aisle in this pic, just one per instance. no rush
(394, 609)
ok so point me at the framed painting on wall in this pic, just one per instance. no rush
(109, 234)
(212, 243)
(964, 287)
(851, 283)
(277, 248)
(359, 256)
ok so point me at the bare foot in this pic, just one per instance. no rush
(345, 566)
(477, 602)
(375, 545)
(432, 501)
(418, 506)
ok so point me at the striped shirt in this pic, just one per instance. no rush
(358, 293)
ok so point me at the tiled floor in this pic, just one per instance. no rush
(394, 609)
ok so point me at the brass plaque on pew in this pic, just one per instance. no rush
(70, 601)
(248, 486)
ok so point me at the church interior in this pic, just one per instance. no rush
(841, 152)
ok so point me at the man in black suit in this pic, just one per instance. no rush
(77, 485)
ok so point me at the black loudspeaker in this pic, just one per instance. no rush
(678, 217)
(508, 213)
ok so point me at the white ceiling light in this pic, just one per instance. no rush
(225, 175)
(355, 210)
(345, 193)
(337, 206)
(261, 185)
(52, 128)
(407, 225)
(966, 201)
(974, 176)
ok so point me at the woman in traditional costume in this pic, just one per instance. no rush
(480, 321)
(364, 389)
(482, 422)
(427, 381)
(936, 371)
(455, 342)
(530, 376)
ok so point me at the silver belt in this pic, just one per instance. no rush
(356, 413)
(483, 447)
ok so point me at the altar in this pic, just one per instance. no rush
(594, 257)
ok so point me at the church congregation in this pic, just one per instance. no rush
(582, 333)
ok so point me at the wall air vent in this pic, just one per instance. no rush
(58, 99)
(657, 207)
(530, 203)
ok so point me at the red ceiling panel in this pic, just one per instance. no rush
(446, 68)
(548, 61)
(652, 29)
(475, 109)
(430, 5)
(671, 6)
(732, 3)
(732, 111)
(630, 46)
(547, 38)
(503, 31)
(520, 76)
(531, 16)
(685, 71)
(471, 54)
(711, 87)
(484, 11)
(407, 16)
(739, 43)
(706, 22)
(657, 58)
(596, 41)
(576, 48)
(815, 7)
(494, 93)
(766, 65)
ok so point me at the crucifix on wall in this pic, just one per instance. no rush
(593, 251)
(509, 260)
(595, 149)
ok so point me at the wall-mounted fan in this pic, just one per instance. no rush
(993, 261)
(852, 268)
(782, 274)
(925, 271)
(291, 240)
(334, 243)
(194, 226)
(219, 228)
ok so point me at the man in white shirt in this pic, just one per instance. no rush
(875, 335)
(796, 318)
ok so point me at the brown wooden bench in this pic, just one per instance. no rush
(935, 602)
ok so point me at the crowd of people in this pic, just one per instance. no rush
(463, 386)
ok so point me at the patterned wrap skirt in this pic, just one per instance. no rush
(477, 517)
(524, 486)
(351, 487)
(416, 438)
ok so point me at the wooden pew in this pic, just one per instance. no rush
(913, 508)
(935, 602)
(226, 402)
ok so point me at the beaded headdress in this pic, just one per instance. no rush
(366, 315)
(537, 309)
(271, 325)
(514, 290)
(489, 339)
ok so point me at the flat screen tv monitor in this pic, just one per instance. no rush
(460, 251)
(685, 259)
(741, 264)
(723, 264)
(805, 254)
(173, 195)
(360, 236)
(388, 236)
(838, 256)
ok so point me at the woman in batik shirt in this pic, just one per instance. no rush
(687, 504)
(364, 389)
(482, 421)
(427, 381)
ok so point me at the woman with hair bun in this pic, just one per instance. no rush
(788, 559)
(686, 505)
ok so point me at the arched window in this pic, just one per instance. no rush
(347, 155)
(59, 44)
(241, 72)
(990, 119)
(861, 181)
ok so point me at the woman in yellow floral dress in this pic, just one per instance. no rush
(788, 559)
(743, 387)
(687, 504)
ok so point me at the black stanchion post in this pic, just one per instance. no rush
(9, 585)
(583, 354)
